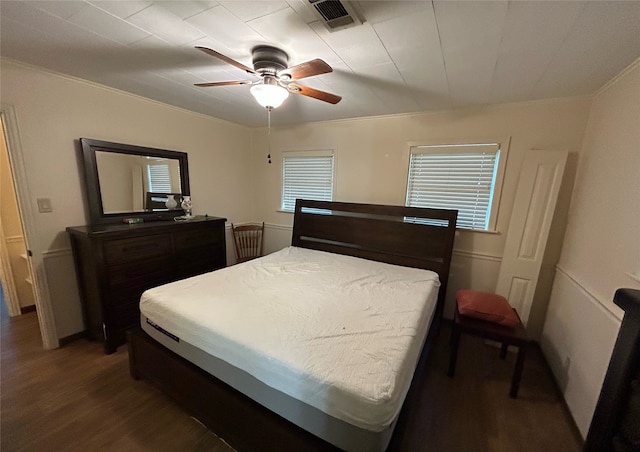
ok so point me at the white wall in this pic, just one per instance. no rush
(372, 158)
(601, 247)
(54, 111)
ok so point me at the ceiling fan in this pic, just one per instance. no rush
(276, 78)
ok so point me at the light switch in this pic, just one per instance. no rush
(44, 205)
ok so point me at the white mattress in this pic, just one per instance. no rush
(338, 333)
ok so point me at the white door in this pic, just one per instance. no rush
(535, 203)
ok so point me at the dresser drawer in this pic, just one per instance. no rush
(125, 316)
(126, 250)
(200, 260)
(129, 294)
(141, 274)
(120, 298)
(196, 239)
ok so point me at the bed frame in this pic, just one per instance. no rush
(408, 236)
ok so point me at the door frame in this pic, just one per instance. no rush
(6, 277)
(35, 261)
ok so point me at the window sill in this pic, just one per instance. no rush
(477, 230)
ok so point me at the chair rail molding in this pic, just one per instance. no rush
(609, 310)
(57, 252)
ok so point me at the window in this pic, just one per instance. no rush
(163, 177)
(306, 175)
(159, 178)
(466, 177)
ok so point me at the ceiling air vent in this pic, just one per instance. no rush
(335, 14)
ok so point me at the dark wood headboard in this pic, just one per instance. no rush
(408, 236)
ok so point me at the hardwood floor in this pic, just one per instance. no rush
(77, 398)
(473, 411)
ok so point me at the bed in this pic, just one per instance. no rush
(313, 347)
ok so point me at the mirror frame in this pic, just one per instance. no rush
(92, 183)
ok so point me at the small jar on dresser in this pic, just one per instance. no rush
(115, 263)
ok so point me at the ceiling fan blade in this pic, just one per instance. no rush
(306, 69)
(226, 59)
(315, 93)
(237, 82)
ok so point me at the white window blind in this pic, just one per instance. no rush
(159, 178)
(306, 175)
(461, 177)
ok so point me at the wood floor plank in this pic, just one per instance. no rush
(77, 398)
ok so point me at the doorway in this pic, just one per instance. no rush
(12, 148)
(15, 270)
(10, 139)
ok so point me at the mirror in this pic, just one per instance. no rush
(125, 181)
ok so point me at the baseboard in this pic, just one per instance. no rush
(26, 309)
(74, 337)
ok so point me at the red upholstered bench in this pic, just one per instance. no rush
(489, 316)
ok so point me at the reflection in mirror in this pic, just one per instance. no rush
(124, 181)
(138, 183)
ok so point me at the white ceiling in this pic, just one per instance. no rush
(407, 55)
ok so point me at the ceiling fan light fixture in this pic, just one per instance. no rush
(269, 95)
(278, 79)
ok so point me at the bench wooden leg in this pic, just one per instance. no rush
(503, 350)
(517, 373)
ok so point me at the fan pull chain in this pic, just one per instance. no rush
(269, 134)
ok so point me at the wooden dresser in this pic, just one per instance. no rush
(116, 263)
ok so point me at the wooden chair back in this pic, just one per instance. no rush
(247, 241)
